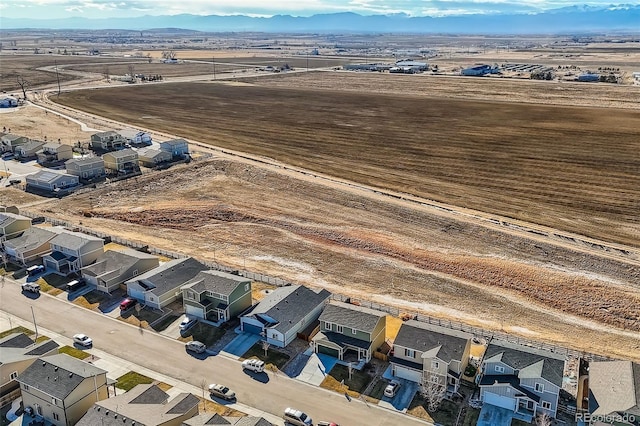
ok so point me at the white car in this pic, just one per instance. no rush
(197, 347)
(222, 391)
(296, 417)
(254, 365)
(83, 340)
(392, 389)
(187, 323)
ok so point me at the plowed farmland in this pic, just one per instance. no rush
(570, 168)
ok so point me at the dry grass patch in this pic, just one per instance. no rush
(208, 406)
(258, 290)
(19, 329)
(91, 300)
(45, 287)
(393, 326)
(353, 387)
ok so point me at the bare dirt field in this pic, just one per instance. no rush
(146, 68)
(551, 165)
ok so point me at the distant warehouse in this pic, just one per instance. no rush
(367, 67)
(589, 77)
(480, 70)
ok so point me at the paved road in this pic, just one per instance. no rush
(270, 393)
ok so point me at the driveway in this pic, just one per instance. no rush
(173, 329)
(312, 368)
(490, 415)
(403, 398)
(240, 345)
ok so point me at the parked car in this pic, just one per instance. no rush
(323, 423)
(222, 391)
(35, 270)
(296, 417)
(253, 364)
(7, 155)
(31, 287)
(75, 284)
(197, 347)
(187, 323)
(82, 340)
(128, 303)
(392, 388)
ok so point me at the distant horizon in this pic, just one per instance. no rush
(104, 9)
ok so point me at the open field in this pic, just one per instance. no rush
(146, 68)
(551, 165)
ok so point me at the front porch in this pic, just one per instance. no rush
(61, 262)
(346, 349)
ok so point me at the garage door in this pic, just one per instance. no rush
(500, 401)
(328, 351)
(250, 328)
(407, 373)
(137, 294)
(193, 311)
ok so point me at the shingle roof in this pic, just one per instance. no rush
(424, 337)
(58, 375)
(49, 176)
(352, 316)
(170, 275)
(7, 219)
(488, 380)
(52, 146)
(32, 238)
(123, 153)
(73, 240)
(30, 145)
(206, 419)
(614, 387)
(113, 263)
(150, 152)
(520, 357)
(16, 340)
(106, 134)
(216, 281)
(174, 142)
(85, 161)
(10, 354)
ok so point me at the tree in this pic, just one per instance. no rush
(24, 85)
(168, 54)
(132, 72)
(105, 73)
(433, 391)
(543, 420)
(265, 347)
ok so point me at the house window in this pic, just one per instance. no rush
(499, 369)
(354, 331)
(409, 353)
(327, 326)
(135, 272)
(546, 405)
(539, 387)
(55, 416)
(25, 387)
(435, 365)
(246, 287)
(14, 375)
(434, 379)
(190, 296)
(338, 328)
(54, 401)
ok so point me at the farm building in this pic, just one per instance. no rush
(135, 137)
(8, 102)
(589, 77)
(415, 65)
(366, 67)
(46, 180)
(150, 157)
(177, 147)
(86, 168)
(479, 70)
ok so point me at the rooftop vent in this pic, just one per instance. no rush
(70, 375)
(44, 363)
(106, 413)
(55, 368)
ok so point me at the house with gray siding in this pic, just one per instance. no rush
(60, 388)
(216, 296)
(614, 392)
(285, 312)
(178, 148)
(71, 251)
(429, 354)
(150, 157)
(9, 142)
(113, 268)
(160, 286)
(136, 137)
(524, 380)
(346, 328)
(107, 141)
(87, 169)
(51, 182)
(53, 152)
(12, 225)
(31, 245)
(28, 151)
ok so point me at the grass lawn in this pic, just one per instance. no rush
(76, 353)
(131, 379)
(354, 387)
(208, 406)
(19, 329)
(274, 358)
(45, 287)
(204, 333)
(393, 325)
(91, 300)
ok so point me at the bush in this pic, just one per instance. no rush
(470, 371)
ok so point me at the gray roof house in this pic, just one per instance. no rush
(346, 328)
(87, 169)
(614, 390)
(144, 405)
(32, 244)
(524, 380)
(17, 352)
(136, 137)
(176, 147)
(12, 225)
(216, 419)
(29, 150)
(124, 161)
(71, 251)
(429, 354)
(60, 388)
(161, 286)
(113, 268)
(51, 182)
(53, 152)
(150, 157)
(9, 142)
(107, 141)
(216, 296)
(285, 312)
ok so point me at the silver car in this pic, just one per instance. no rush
(197, 347)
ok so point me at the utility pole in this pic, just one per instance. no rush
(213, 60)
(307, 61)
(57, 75)
(34, 323)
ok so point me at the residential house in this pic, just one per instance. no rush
(285, 312)
(107, 141)
(17, 352)
(121, 162)
(150, 157)
(29, 150)
(32, 244)
(178, 148)
(113, 268)
(12, 225)
(161, 286)
(51, 182)
(71, 251)
(136, 137)
(87, 169)
(429, 354)
(146, 405)
(614, 392)
(349, 328)
(9, 142)
(60, 388)
(53, 152)
(521, 379)
(216, 296)
(216, 419)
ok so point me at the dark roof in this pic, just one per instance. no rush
(252, 421)
(424, 337)
(184, 403)
(73, 240)
(488, 380)
(342, 340)
(289, 305)
(43, 347)
(520, 357)
(352, 316)
(206, 419)
(174, 142)
(152, 395)
(406, 363)
(216, 281)
(16, 340)
(18, 347)
(123, 153)
(31, 238)
(58, 375)
(111, 263)
(170, 275)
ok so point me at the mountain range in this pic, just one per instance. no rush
(572, 19)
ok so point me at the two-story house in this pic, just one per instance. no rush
(32, 244)
(348, 328)
(614, 392)
(54, 152)
(521, 379)
(429, 354)
(150, 157)
(51, 182)
(71, 251)
(10, 141)
(178, 148)
(107, 141)
(121, 162)
(113, 268)
(59, 389)
(87, 169)
(136, 137)
(216, 296)
(285, 312)
(12, 226)
(28, 151)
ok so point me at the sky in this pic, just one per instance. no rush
(52, 9)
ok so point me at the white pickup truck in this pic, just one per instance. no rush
(32, 287)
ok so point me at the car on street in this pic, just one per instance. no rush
(222, 391)
(31, 287)
(82, 340)
(253, 364)
(197, 347)
(296, 417)
(187, 323)
(128, 303)
(392, 388)
(324, 423)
